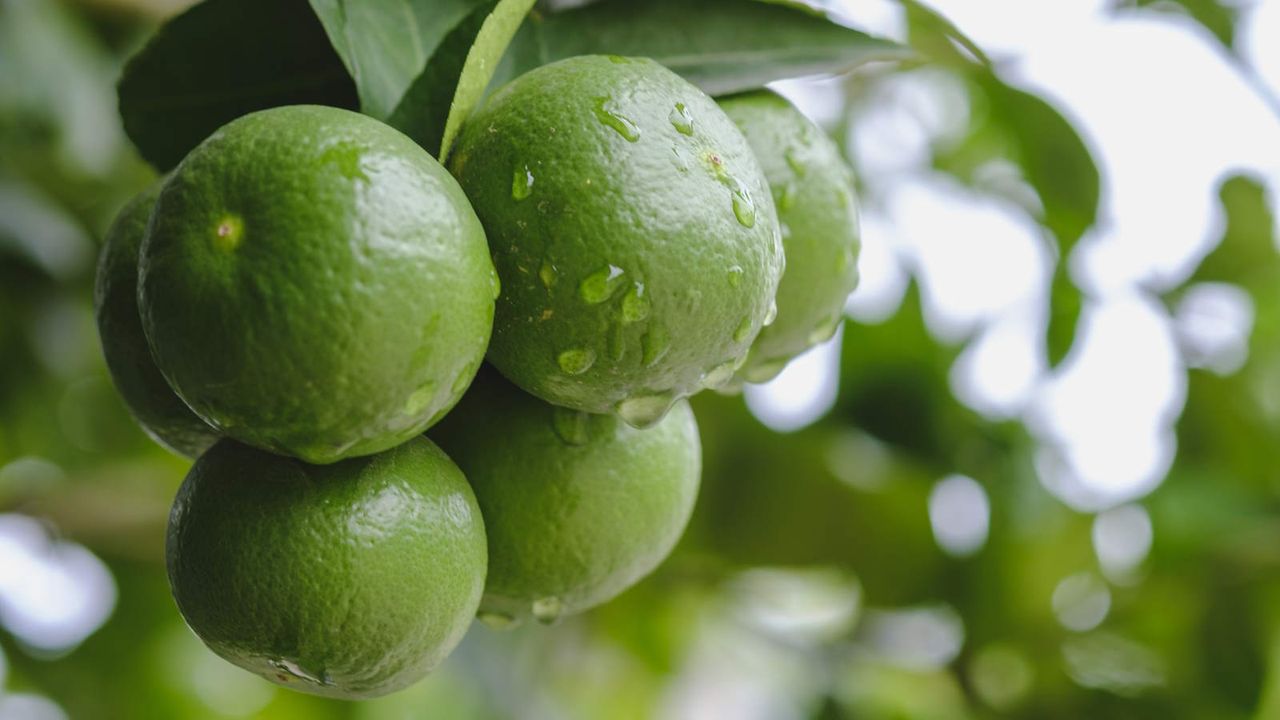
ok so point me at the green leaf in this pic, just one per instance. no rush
(723, 46)
(1065, 306)
(424, 110)
(220, 60)
(386, 44)
(482, 60)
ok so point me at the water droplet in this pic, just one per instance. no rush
(643, 411)
(463, 381)
(618, 59)
(764, 371)
(569, 425)
(654, 346)
(620, 124)
(682, 160)
(771, 314)
(497, 620)
(743, 331)
(522, 183)
(547, 610)
(787, 198)
(601, 285)
(419, 399)
(744, 208)
(293, 670)
(635, 304)
(682, 119)
(825, 329)
(617, 343)
(731, 388)
(798, 165)
(735, 276)
(495, 285)
(576, 361)
(719, 375)
(548, 274)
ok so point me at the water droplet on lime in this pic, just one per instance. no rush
(643, 411)
(547, 610)
(718, 375)
(548, 274)
(622, 125)
(635, 304)
(798, 165)
(825, 329)
(497, 620)
(522, 183)
(735, 276)
(569, 425)
(764, 371)
(576, 361)
(654, 346)
(743, 331)
(682, 119)
(601, 285)
(419, 399)
(744, 208)
(771, 314)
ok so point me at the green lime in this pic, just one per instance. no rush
(155, 406)
(348, 580)
(577, 507)
(313, 283)
(813, 190)
(633, 230)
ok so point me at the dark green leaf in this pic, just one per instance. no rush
(1247, 252)
(386, 44)
(722, 46)
(482, 60)
(1065, 305)
(220, 60)
(424, 110)
(1052, 155)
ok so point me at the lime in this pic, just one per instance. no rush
(577, 507)
(813, 190)
(347, 580)
(632, 228)
(153, 403)
(315, 284)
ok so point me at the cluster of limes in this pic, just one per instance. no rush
(309, 291)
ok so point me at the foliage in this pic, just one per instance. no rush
(833, 516)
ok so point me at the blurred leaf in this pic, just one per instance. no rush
(1247, 253)
(1017, 126)
(386, 44)
(938, 38)
(220, 60)
(1217, 17)
(482, 60)
(1065, 306)
(722, 46)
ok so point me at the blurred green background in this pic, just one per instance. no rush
(930, 517)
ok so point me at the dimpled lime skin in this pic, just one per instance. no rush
(124, 346)
(577, 507)
(349, 580)
(813, 190)
(593, 167)
(314, 284)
